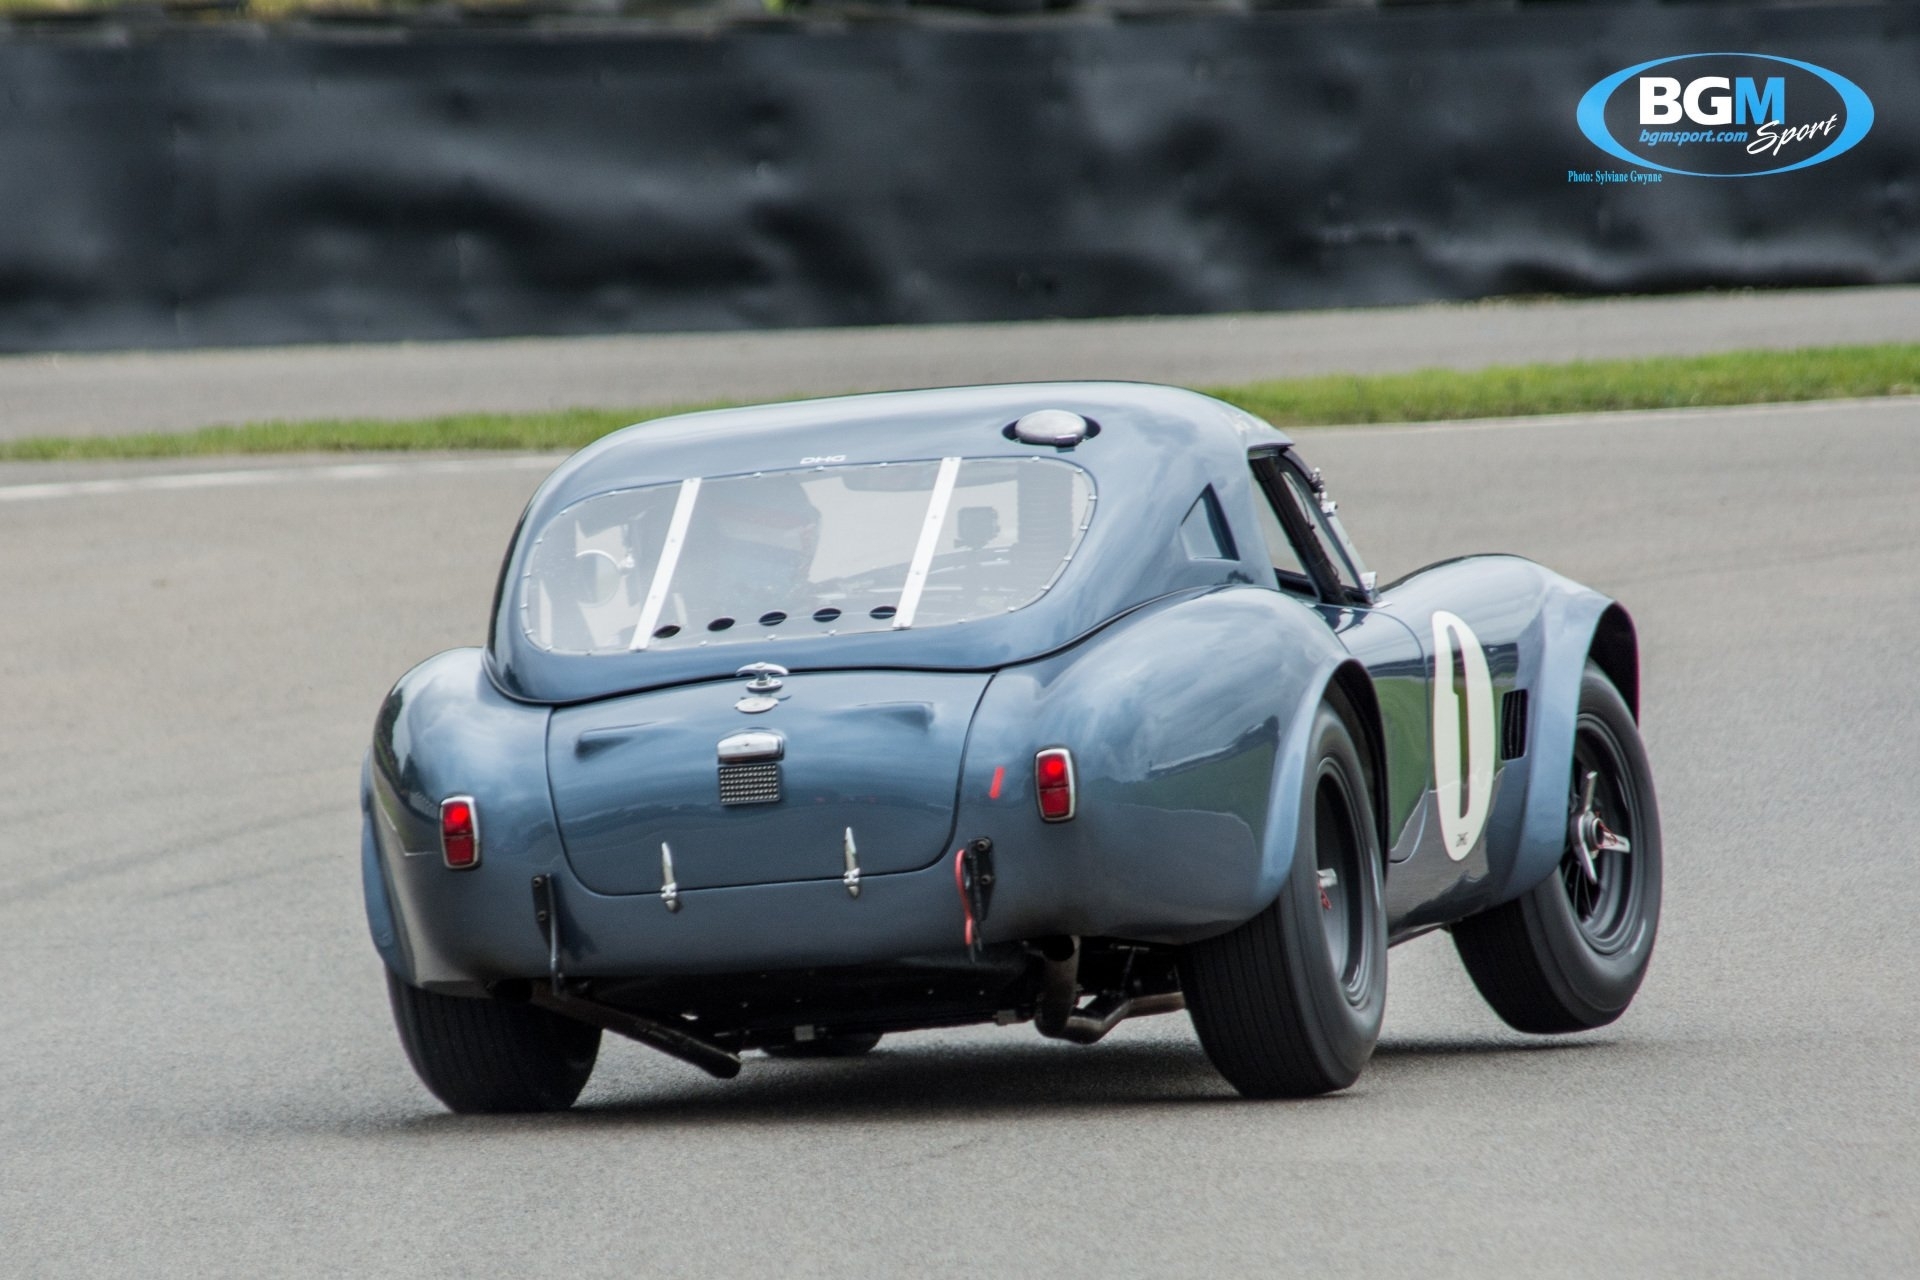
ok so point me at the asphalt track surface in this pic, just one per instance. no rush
(171, 391)
(201, 1079)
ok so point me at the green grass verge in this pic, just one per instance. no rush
(1662, 382)
(1743, 377)
(558, 429)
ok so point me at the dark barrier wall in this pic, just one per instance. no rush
(231, 185)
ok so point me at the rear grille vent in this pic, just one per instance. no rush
(1513, 725)
(750, 783)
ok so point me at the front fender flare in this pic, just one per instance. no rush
(1572, 622)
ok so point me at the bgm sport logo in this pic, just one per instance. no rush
(1725, 115)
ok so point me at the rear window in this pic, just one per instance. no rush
(820, 551)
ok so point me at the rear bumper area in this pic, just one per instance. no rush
(802, 924)
(458, 928)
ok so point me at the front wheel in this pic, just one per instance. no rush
(1290, 1003)
(482, 1056)
(1570, 954)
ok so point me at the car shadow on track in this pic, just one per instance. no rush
(1480, 1046)
(903, 1082)
(909, 1083)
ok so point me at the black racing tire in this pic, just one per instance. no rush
(1289, 1004)
(847, 1046)
(482, 1056)
(1570, 954)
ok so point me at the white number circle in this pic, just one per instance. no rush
(1462, 788)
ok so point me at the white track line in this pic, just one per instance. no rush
(242, 477)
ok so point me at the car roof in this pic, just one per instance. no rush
(898, 425)
(1157, 447)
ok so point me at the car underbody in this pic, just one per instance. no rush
(1070, 989)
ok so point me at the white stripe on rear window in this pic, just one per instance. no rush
(669, 558)
(929, 539)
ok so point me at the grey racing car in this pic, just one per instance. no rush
(805, 724)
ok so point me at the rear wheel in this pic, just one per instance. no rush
(484, 1056)
(847, 1046)
(1290, 1003)
(1570, 954)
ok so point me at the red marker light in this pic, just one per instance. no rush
(459, 833)
(1053, 783)
(999, 776)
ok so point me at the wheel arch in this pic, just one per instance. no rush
(1344, 683)
(1615, 649)
(1576, 625)
(1351, 685)
(382, 921)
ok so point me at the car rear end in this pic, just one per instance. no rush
(765, 817)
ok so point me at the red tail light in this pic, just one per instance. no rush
(459, 832)
(1053, 783)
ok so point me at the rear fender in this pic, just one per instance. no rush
(1188, 723)
(444, 731)
(373, 885)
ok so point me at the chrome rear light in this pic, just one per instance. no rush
(1053, 784)
(459, 832)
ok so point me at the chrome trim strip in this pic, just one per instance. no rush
(669, 560)
(935, 521)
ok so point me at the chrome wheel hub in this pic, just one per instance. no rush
(1590, 836)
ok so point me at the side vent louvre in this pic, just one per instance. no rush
(1513, 725)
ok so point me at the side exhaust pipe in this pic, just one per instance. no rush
(670, 1040)
(1059, 1016)
(1091, 1022)
(674, 1041)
